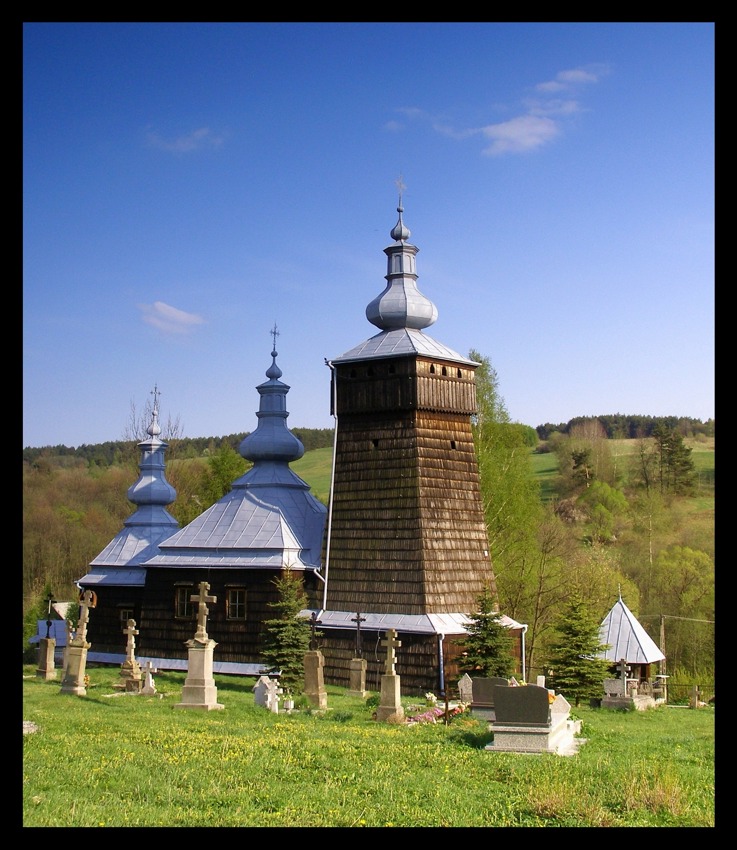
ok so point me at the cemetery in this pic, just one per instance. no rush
(505, 718)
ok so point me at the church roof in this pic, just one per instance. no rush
(269, 519)
(626, 638)
(427, 624)
(120, 562)
(401, 311)
(399, 342)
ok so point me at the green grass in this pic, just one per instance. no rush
(545, 469)
(315, 467)
(113, 759)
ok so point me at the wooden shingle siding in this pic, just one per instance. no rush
(405, 383)
(408, 530)
(164, 635)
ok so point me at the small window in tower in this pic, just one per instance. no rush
(370, 371)
(392, 368)
(452, 444)
(460, 374)
(375, 443)
(432, 368)
(445, 371)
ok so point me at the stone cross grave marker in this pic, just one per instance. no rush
(392, 644)
(148, 683)
(87, 600)
(131, 631)
(202, 611)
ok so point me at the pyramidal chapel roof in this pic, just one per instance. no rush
(269, 519)
(626, 638)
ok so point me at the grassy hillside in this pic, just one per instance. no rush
(315, 466)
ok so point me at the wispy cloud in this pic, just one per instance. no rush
(197, 140)
(520, 134)
(169, 319)
(541, 119)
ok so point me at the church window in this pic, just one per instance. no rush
(125, 615)
(183, 607)
(235, 603)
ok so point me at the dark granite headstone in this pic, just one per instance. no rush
(483, 690)
(524, 706)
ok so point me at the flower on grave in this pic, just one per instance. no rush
(432, 715)
(430, 698)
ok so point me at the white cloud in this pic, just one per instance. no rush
(194, 141)
(169, 319)
(541, 120)
(555, 106)
(524, 133)
(565, 80)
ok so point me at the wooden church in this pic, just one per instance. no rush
(402, 545)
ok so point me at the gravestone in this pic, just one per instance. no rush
(530, 720)
(199, 689)
(465, 689)
(266, 693)
(313, 666)
(149, 688)
(390, 704)
(76, 666)
(357, 678)
(357, 667)
(130, 669)
(46, 649)
(71, 632)
(314, 678)
(482, 699)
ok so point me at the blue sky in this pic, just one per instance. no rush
(188, 186)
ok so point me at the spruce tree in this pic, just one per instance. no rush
(576, 671)
(489, 645)
(287, 637)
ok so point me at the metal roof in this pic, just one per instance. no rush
(57, 630)
(268, 520)
(423, 624)
(119, 562)
(134, 544)
(112, 577)
(401, 342)
(245, 668)
(626, 638)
